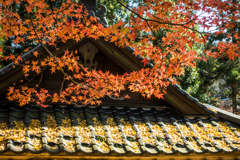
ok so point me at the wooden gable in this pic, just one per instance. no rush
(105, 57)
(108, 57)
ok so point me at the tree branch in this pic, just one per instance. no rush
(168, 23)
(61, 69)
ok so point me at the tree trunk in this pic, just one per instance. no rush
(234, 98)
(234, 85)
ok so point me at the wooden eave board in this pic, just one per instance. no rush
(182, 102)
(235, 156)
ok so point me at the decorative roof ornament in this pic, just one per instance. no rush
(89, 51)
(101, 14)
(91, 6)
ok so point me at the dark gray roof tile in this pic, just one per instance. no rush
(69, 140)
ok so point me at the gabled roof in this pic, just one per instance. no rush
(88, 132)
(121, 56)
(175, 96)
(116, 131)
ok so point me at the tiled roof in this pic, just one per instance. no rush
(217, 112)
(112, 131)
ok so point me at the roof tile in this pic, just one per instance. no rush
(111, 131)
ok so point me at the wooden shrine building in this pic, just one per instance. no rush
(178, 127)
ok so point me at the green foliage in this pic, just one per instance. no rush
(216, 78)
(1, 45)
(116, 12)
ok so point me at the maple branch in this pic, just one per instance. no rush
(29, 80)
(122, 98)
(61, 69)
(41, 76)
(44, 47)
(62, 85)
(190, 21)
(150, 20)
(174, 24)
(155, 36)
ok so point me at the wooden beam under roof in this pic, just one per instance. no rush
(207, 156)
(182, 102)
(125, 60)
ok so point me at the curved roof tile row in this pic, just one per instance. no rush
(112, 131)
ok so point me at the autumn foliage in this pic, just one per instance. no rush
(183, 20)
